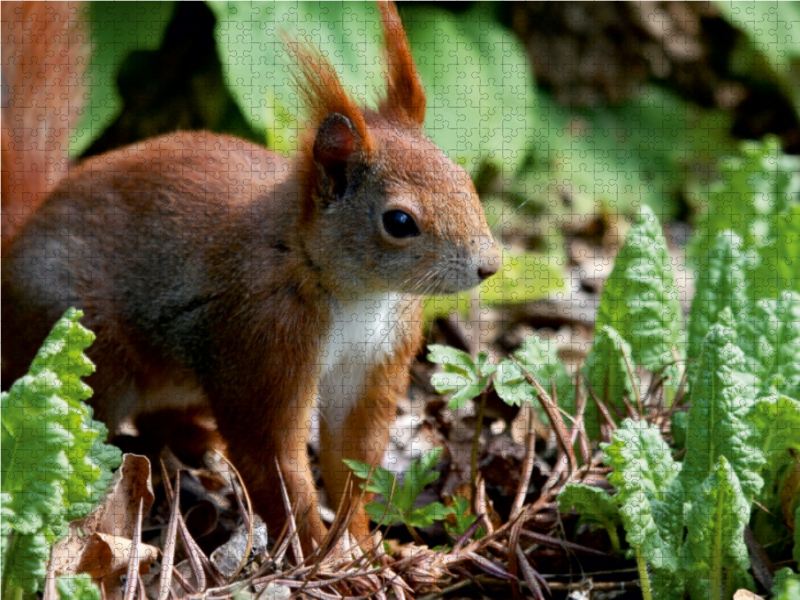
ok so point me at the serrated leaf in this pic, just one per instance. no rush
(643, 472)
(720, 404)
(721, 283)
(715, 552)
(55, 464)
(608, 370)
(770, 338)
(25, 563)
(640, 299)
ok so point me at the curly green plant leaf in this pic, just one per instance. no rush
(55, 463)
(718, 417)
(644, 472)
(640, 299)
(715, 555)
(609, 371)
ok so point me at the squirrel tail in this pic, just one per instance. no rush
(44, 52)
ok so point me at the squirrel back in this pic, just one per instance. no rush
(217, 273)
(44, 52)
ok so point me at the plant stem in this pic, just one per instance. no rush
(473, 475)
(416, 537)
(612, 533)
(644, 578)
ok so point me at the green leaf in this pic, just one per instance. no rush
(720, 405)
(429, 514)
(640, 299)
(117, 29)
(758, 198)
(511, 385)
(643, 472)
(770, 338)
(401, 498)
(787, 585)
(594, 506)
(608, 371)
(460, 377)
(78, 587)
(777, 421)
(721, 283)
(55, 463)
(539, 357)
(462, 518)
(25, 564)
(715, 553)
(258, 69)
(479, 83)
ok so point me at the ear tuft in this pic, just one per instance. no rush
(405, 96)
(336, 144)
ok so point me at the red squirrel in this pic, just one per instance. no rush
(214, 271)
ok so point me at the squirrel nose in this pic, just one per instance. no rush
(487, 270)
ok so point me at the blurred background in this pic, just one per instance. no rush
(568, 115)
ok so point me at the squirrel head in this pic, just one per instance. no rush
(383, 208)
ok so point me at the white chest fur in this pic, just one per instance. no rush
(363, 334)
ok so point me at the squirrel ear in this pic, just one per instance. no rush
(336, 144)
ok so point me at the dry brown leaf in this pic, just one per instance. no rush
(100, 544)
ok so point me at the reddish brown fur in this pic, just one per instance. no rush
(405, 98)
(43, 58)
(212, 270)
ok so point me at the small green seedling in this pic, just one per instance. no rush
(400, 498)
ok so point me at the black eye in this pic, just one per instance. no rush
(400, 224)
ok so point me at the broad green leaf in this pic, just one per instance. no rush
(594, 506)
(524, 277)
(258, 69)
(640, 299)
(643, 472)
(117, 29)
(715, 554)
(479, 84)
(608, 371)
(721, 283)
(720, 403)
